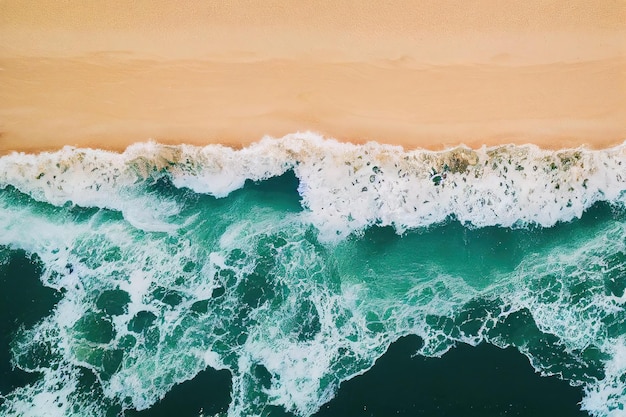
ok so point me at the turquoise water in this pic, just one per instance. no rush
(293, 265)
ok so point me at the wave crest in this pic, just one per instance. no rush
(345, 187)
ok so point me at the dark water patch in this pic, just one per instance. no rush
(519, 329)
(306, 321)
(592, 220)
(91, 392)
(603, 210)
(208, 393)
(23, 302)
(280, 191)
(95, 327)
(141, 321)
(467, 381)
(286, 183)
(169, 297)
(257, 288)
(113, 302)
(35, 355)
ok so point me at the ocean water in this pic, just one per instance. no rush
(301, 276)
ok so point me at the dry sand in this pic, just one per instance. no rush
(417, 73)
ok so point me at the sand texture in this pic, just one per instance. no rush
(426, 74)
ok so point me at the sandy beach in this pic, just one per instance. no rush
(425, 74)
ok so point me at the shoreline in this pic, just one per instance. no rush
(168, 146)
(432, 76)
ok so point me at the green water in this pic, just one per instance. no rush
(102, 317)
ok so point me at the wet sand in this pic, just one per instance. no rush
(422, 74)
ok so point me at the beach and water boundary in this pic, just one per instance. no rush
(293, 264)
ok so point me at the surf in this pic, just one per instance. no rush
(294, 263)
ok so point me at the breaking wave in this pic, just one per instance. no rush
(172, 259)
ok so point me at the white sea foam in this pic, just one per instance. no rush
(345, 187)
(93, 178)
(607, 397)
(349, 187)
